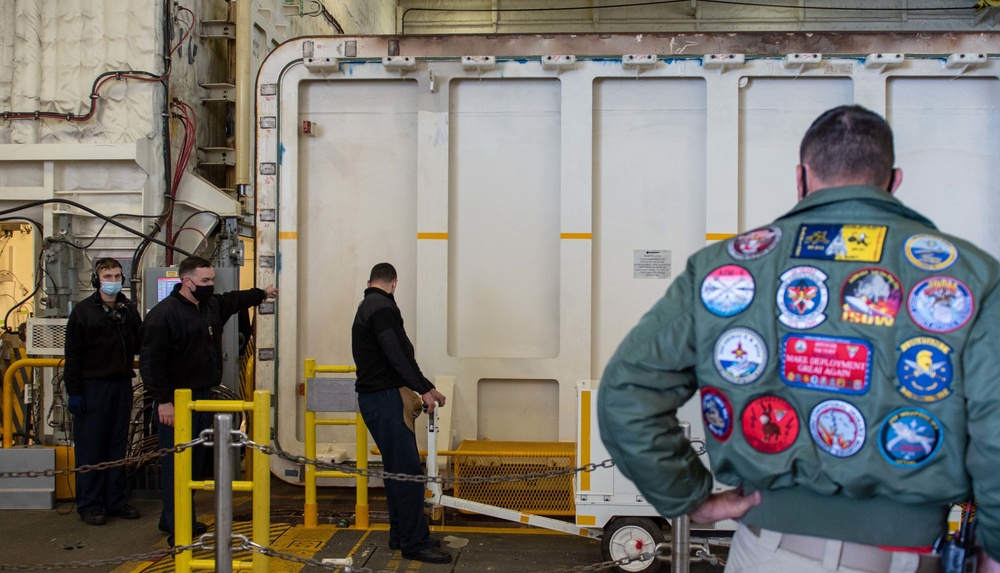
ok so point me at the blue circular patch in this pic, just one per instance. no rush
(909, 437)
(837, 427)
(740, 355)
(727, 290)
(923, 371)
(717, 413)
(940, 304)
(929, 253)
(802, 297)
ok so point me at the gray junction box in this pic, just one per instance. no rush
(24, 492)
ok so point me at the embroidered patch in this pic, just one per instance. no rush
(929, 253)
(754, 244)
(940, 304)
(832, 364)
(770, 424)
(909, 437)
(716, 413)
(727, 291)
(740, 355)
(860, 243)
(871, 296)
(923, 371)
(802, 297)
(838, 428)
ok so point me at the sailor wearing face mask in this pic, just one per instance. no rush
(102, 338)
(182, 348)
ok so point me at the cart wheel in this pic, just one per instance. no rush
(631, 537)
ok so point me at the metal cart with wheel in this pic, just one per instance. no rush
(608, 505)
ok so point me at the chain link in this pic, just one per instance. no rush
(349, 469)
(135, 557)
(105, 465)
(699, 447)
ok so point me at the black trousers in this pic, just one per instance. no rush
(383, 414)
(101, 435)
(165, 437)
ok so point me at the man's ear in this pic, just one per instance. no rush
(895, 180)
(800, 177)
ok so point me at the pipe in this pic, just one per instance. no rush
(244, 134)
(8, 391)
(680, 532)
(223, 493)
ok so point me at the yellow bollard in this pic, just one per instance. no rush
(182, 479)
(361, 509)
(261, 479)
(8, 391)
(310, 513)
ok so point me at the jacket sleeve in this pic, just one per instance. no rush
(154, 354)
(982, 395)
(75, 350)
(136, 328)
(649, 377)
(236, 300)
(398, 350)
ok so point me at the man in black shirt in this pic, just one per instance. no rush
(387, 376)
(182, 348)
(102, 338)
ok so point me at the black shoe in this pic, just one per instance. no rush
(429, 555)
(434, 543)
(199, 528)
(126, 512)
(94, 518)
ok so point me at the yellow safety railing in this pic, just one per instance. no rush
(310, 513)
(183, 484)
(8, 391)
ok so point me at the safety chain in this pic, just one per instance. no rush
(699, 550)
(105, 465)
(251, 546)
(606, 564)
(348, 469)
(248, 545)
(135, 557)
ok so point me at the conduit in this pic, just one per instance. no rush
(27, 67)
(244, 91)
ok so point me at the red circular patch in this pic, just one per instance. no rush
(770, 424)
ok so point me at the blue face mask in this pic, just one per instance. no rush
(111, 289)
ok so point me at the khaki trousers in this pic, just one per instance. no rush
(764, 551)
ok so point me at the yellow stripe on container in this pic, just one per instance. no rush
(719, 236)
(587, 236)
(289, 235)
(433, 236)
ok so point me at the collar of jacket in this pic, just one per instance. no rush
(861, 193)
(177, 293)
(120, 298)
(376, 290)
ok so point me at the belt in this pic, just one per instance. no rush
(852, 555)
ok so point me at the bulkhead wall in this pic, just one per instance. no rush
(538, 194)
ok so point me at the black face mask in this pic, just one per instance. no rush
(203, 292)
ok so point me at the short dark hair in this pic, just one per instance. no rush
(383, 273)
(106, 263)
(189, 264)
(849, 141)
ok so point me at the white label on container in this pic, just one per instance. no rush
(650, 264)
